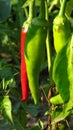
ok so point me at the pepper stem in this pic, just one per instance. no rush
(62, 9)
(48, 48)
(42, 9)
(31, 10)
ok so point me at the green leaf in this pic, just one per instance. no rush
(14, 2)
(33, 109)
(41, 125)
(5, 125)
(69, 7)
(47, 112)
(5, 70)
(44, 66)
(17, 123)
(1, 98)
(35, 128)
(20, 117)
(5, 9)
(60, 113)
(6, 73)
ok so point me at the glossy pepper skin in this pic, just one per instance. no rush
(24, 79)
(23, 73)
(57, 100)
(34, 54)
(61, 28)
(61, 32)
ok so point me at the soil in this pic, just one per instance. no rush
(33, 121)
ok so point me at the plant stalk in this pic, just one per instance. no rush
(31, 10)
(63, 7)
(26, 12)
(42, 9)
(48, 47)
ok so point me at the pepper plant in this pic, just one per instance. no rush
(45, 36)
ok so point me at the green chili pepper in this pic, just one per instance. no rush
(34, 53)
(7, 108)
(61, 34)
(61, 28)
(56, 100)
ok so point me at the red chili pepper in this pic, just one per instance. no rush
(24, 79)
